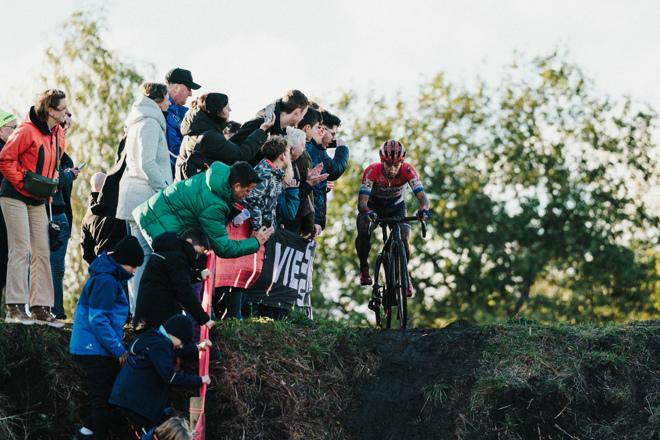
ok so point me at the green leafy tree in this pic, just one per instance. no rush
(100, 88)
(538, 198)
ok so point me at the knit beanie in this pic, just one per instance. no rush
(180, 326)
(128, 251)
(214, 103)
(5, 118)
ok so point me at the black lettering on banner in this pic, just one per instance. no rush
(285, 280)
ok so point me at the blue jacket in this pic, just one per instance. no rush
(287, 205)
(174, 118)
(143, 383)
(335, 167)
(102, 309)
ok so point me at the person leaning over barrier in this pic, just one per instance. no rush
(204, 141)
(142, 388)
(206, 201)
(29, 162)
(98, 326)
(166, 287)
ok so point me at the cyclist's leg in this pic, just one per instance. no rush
(400, 211)
(362, 247)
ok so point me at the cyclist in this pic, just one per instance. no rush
(382, 194)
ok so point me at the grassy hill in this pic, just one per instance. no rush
(321, 380)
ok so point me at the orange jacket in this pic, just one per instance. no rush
(31, 147)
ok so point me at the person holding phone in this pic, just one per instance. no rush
(284, 112)
(334, 166)
(62, 214)
(204, 141)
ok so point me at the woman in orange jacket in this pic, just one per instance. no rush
(29, 163)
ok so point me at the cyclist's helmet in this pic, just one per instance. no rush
(392, 152)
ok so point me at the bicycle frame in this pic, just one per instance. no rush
(393, 259)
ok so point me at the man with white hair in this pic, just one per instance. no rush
(99, 232)
(295, 207)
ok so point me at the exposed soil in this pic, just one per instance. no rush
(301, 380)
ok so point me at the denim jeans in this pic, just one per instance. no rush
(57, 260)
(134, 282)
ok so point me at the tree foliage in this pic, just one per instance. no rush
(100, 88)
(538, 192)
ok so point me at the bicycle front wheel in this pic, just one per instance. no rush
(379, 288)
(400, 282)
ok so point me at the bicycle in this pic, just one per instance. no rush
(393, 262)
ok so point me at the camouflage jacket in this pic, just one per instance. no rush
(262, 201)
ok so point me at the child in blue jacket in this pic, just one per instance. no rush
(96, 339)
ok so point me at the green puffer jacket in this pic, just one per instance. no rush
(205, 201)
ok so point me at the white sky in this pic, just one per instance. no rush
(254, 51)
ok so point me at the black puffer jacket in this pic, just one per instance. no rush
(99, 232)
(253, 124)
(166, 286)
(204, 143)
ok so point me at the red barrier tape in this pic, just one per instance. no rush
(205, 355)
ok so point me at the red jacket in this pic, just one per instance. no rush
(31, 147)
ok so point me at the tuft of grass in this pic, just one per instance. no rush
(285, 379)
(436, 394)
(532, 374)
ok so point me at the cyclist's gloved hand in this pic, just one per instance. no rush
(371, 215)
(423, 214)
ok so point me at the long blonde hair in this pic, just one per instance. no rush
(175, 428)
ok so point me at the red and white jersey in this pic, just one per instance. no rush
(384, 192)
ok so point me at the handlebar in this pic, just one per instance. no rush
(394, 220)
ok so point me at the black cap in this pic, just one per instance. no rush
(180, 326)
(128, 251)
(181, 76)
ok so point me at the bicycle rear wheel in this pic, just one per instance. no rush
(400, 282)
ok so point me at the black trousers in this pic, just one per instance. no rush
(100, 375)
(4, 252)
(227, 302)
(263, 311)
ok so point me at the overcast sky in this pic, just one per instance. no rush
(254, 51)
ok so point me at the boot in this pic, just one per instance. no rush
(410, 290)
(42, 316)
(365, 278)
(15, 313)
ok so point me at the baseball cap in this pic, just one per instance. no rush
(181, 76)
